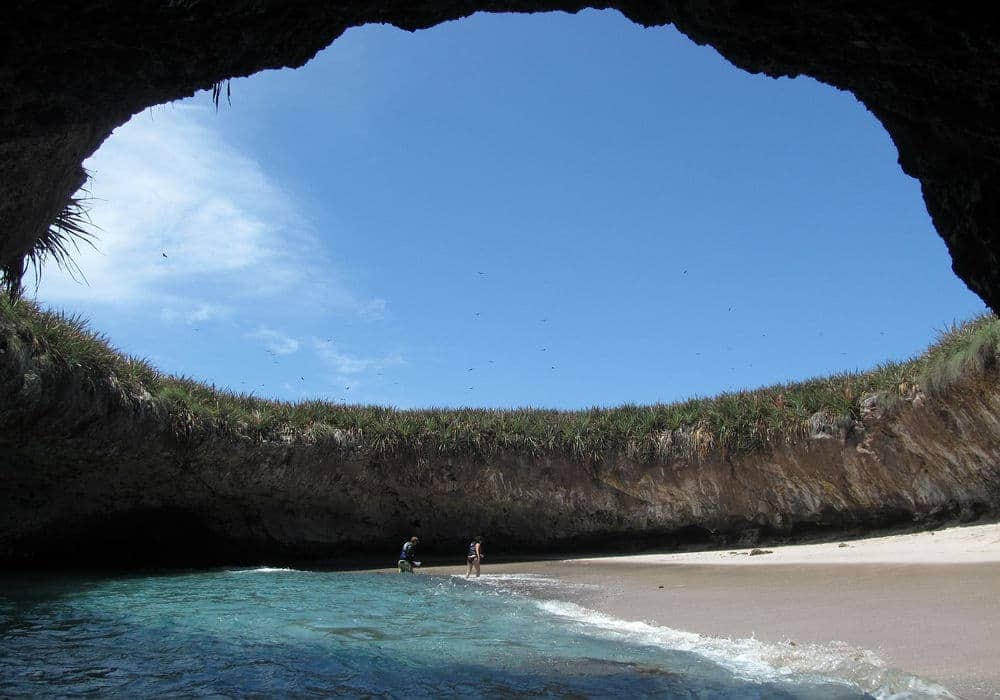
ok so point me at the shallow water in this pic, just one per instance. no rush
(279, 632)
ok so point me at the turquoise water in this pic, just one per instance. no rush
(274, 632)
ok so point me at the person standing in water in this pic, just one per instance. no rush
(474, 556)
(406, 561)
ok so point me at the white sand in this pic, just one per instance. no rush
(974, 544)
(927, 603)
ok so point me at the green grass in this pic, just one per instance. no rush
(63, 349)
(964, 351)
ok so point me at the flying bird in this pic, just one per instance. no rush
(163, 254)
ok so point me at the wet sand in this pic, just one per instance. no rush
(928, 604)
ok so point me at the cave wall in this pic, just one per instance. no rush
(71, 72)
(92, 474)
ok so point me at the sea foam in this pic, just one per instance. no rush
(756, 660)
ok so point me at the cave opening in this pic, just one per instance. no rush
(559, 210)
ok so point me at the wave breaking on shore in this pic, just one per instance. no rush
(757, 660)
(748, 658)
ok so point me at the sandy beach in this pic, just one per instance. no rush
(927, 603)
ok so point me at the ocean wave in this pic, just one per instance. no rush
(262, 570)
(523, 584)
(500, 579)
(756, 660)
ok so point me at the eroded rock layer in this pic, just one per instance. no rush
(91, 476)
(70, 72)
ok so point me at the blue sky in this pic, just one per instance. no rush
(548, 210)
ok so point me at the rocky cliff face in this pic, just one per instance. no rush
(89, 476)
(71, 72)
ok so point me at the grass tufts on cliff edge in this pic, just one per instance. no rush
(41, 351)
(71, 227)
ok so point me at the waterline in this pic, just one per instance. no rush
(270, 631)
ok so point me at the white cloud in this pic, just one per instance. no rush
(194, 313)
(346, 365)
(274, 341)
(185, 217)
(372, 310)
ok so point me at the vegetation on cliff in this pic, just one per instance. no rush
(43, 352)
(57, 243)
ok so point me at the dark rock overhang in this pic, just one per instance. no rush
(70, 72)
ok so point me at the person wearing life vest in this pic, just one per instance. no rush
(474, 556)
(406, 561)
